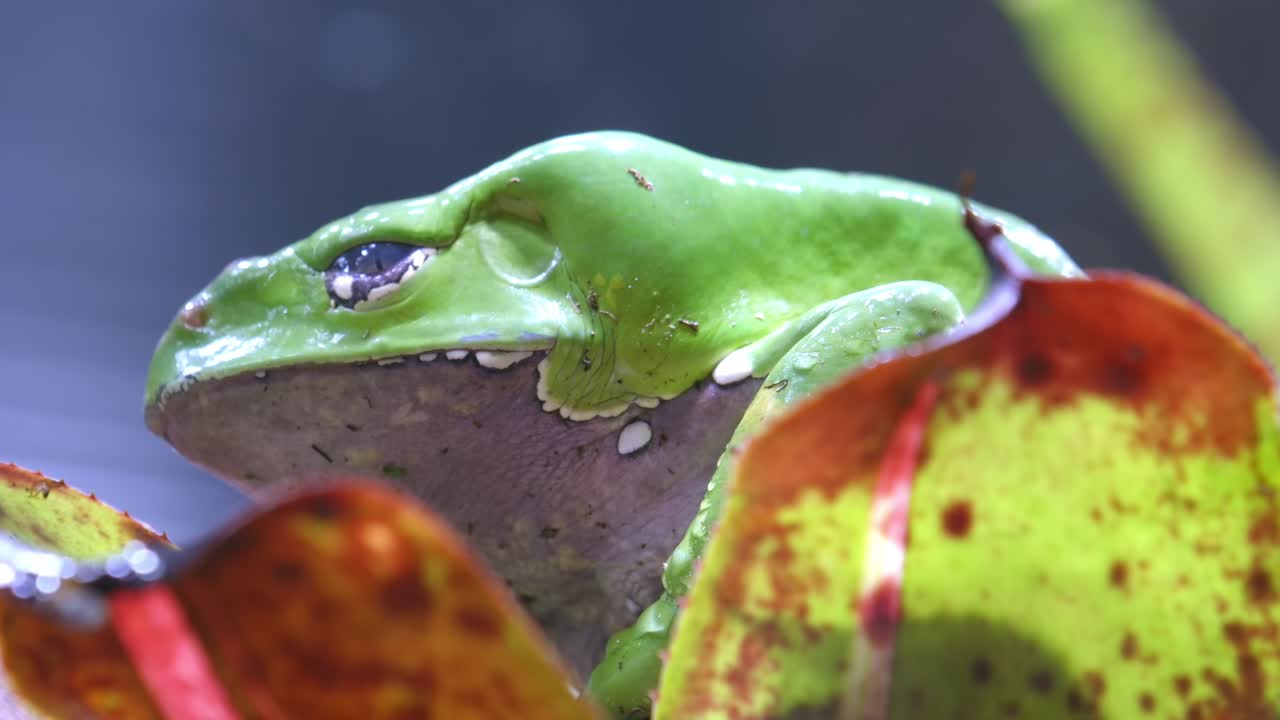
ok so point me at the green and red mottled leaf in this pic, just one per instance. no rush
(66, 672)
(51, 515)
(77, 674)
(1093, 530)
(347, 602)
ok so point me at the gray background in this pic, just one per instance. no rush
(143, 145)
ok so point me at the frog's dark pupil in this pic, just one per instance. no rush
(371, 258)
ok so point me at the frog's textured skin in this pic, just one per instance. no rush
(648, 283)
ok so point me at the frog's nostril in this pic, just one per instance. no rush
(195, 313)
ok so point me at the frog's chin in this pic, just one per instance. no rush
(577, 517)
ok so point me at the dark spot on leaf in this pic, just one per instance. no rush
(1034, 369)
(981, 670)
(1041, 681)
(1182, 684)
(1094, 684)
(1119, 575)
(288, 572)
(406, 594)
(476, 621)
(1250, 670)
(1121, 379)
(1129, 646)
(1258, 581)
(1265, 530)
(957, 519)
(414, 711)
(1077, 703)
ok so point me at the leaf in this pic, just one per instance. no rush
(51, 515)
(68, 674)
(346, 602)
(1198, 177)
(1093, 529)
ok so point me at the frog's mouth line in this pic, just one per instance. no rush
(492, 359)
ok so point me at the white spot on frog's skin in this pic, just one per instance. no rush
(261, 374)
(647, 402)
(499, 360)
(634, 437)
(390, 361)
(342, 287)
(457, 354)
(736, 366)
(428, 357)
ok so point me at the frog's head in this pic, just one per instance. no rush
(470, 268)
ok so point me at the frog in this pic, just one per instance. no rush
(561, 352)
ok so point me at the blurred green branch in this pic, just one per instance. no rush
(1200, 180)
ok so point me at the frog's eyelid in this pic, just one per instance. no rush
(362, 291)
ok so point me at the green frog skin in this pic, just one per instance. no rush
(558, 351)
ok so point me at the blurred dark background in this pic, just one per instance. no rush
(143, 145)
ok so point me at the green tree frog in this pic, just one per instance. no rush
(558, 352)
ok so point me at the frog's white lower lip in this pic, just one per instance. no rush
(492, 359)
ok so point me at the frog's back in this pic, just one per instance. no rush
(672, 232)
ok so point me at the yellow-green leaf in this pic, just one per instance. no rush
(1093, 530)
(50, 515)
(1198, 177)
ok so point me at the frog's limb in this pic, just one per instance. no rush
(798, 358)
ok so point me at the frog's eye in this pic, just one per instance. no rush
(366, 274)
